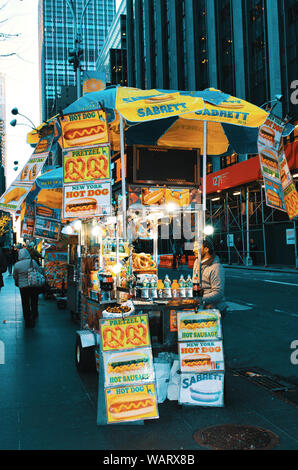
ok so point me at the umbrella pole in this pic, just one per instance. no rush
(204, 170)
(123, 176)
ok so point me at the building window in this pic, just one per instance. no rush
(229, 160)
(256, 51)
(225, 47)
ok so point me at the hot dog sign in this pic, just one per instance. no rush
(201, 356)
(84, 129)
(86, 200)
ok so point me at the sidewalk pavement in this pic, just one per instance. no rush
(46, 405)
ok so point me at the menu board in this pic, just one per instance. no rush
(204, 389)
(84, 129)
(131, 403)
(201, 356)
(127, 377)
(32, 168)
(13, 197)
(55, 268)
(88, 164)
(204, 324)
(45, 228)
(124, 368)
(86, 200)
(160, 196)
(125, 333)
(27, 227)
(280, 189)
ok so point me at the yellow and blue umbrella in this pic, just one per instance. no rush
(176, 118)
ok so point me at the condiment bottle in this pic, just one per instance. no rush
(182, 287)
(153, 288)
(145, 289)
(196, 288)
(160, 289)
(167, 288)
(175, 288)
(189, 287)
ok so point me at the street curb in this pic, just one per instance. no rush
(259, 268)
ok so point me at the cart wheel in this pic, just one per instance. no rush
(84, 357)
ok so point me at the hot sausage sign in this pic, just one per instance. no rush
(86, 200)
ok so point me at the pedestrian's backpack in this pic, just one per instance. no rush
(35, 278)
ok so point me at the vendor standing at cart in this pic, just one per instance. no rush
(212, 276)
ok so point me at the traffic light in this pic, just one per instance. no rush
(73, 59)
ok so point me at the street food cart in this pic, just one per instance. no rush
(161, 140)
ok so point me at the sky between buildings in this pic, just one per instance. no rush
(20, 18)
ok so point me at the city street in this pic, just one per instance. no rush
(46, 404)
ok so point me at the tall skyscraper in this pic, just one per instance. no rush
(56, 39)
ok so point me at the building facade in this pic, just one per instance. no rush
(113, 57)
(248, 48)
(56, 39)
(2, 134)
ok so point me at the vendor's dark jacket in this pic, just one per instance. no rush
(213, 283)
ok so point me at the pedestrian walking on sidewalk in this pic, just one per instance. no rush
(3, 266)
(29, 295)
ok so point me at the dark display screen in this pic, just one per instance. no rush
(177, 166)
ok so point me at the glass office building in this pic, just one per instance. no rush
(56, 39)
(112, 59)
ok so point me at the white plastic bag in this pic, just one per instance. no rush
(174, 383)
(162, 375)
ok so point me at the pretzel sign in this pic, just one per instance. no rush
(136, 335)
(111, 339)
(95, 168)
(75, 169)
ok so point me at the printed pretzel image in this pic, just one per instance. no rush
(75, 169)
(111, 339)
(136, 335)
(95, 169)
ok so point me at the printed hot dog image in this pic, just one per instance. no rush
(204, 324)
(14, 194)
(33, 172)
(127, 408)
(86, 200)
(274, 198)
(160, 99)
(127, 362)
(133, 403)
(83, 133)
(25, 172)
(268, 158)
(83, 129)
(201, 363)
(125, 368)
(86, 204)
(267, 135)
(153, 197)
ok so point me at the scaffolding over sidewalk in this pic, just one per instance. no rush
(247, 231)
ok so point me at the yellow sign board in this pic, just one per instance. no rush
(131, 403)
(84, 129)
(125, 333)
